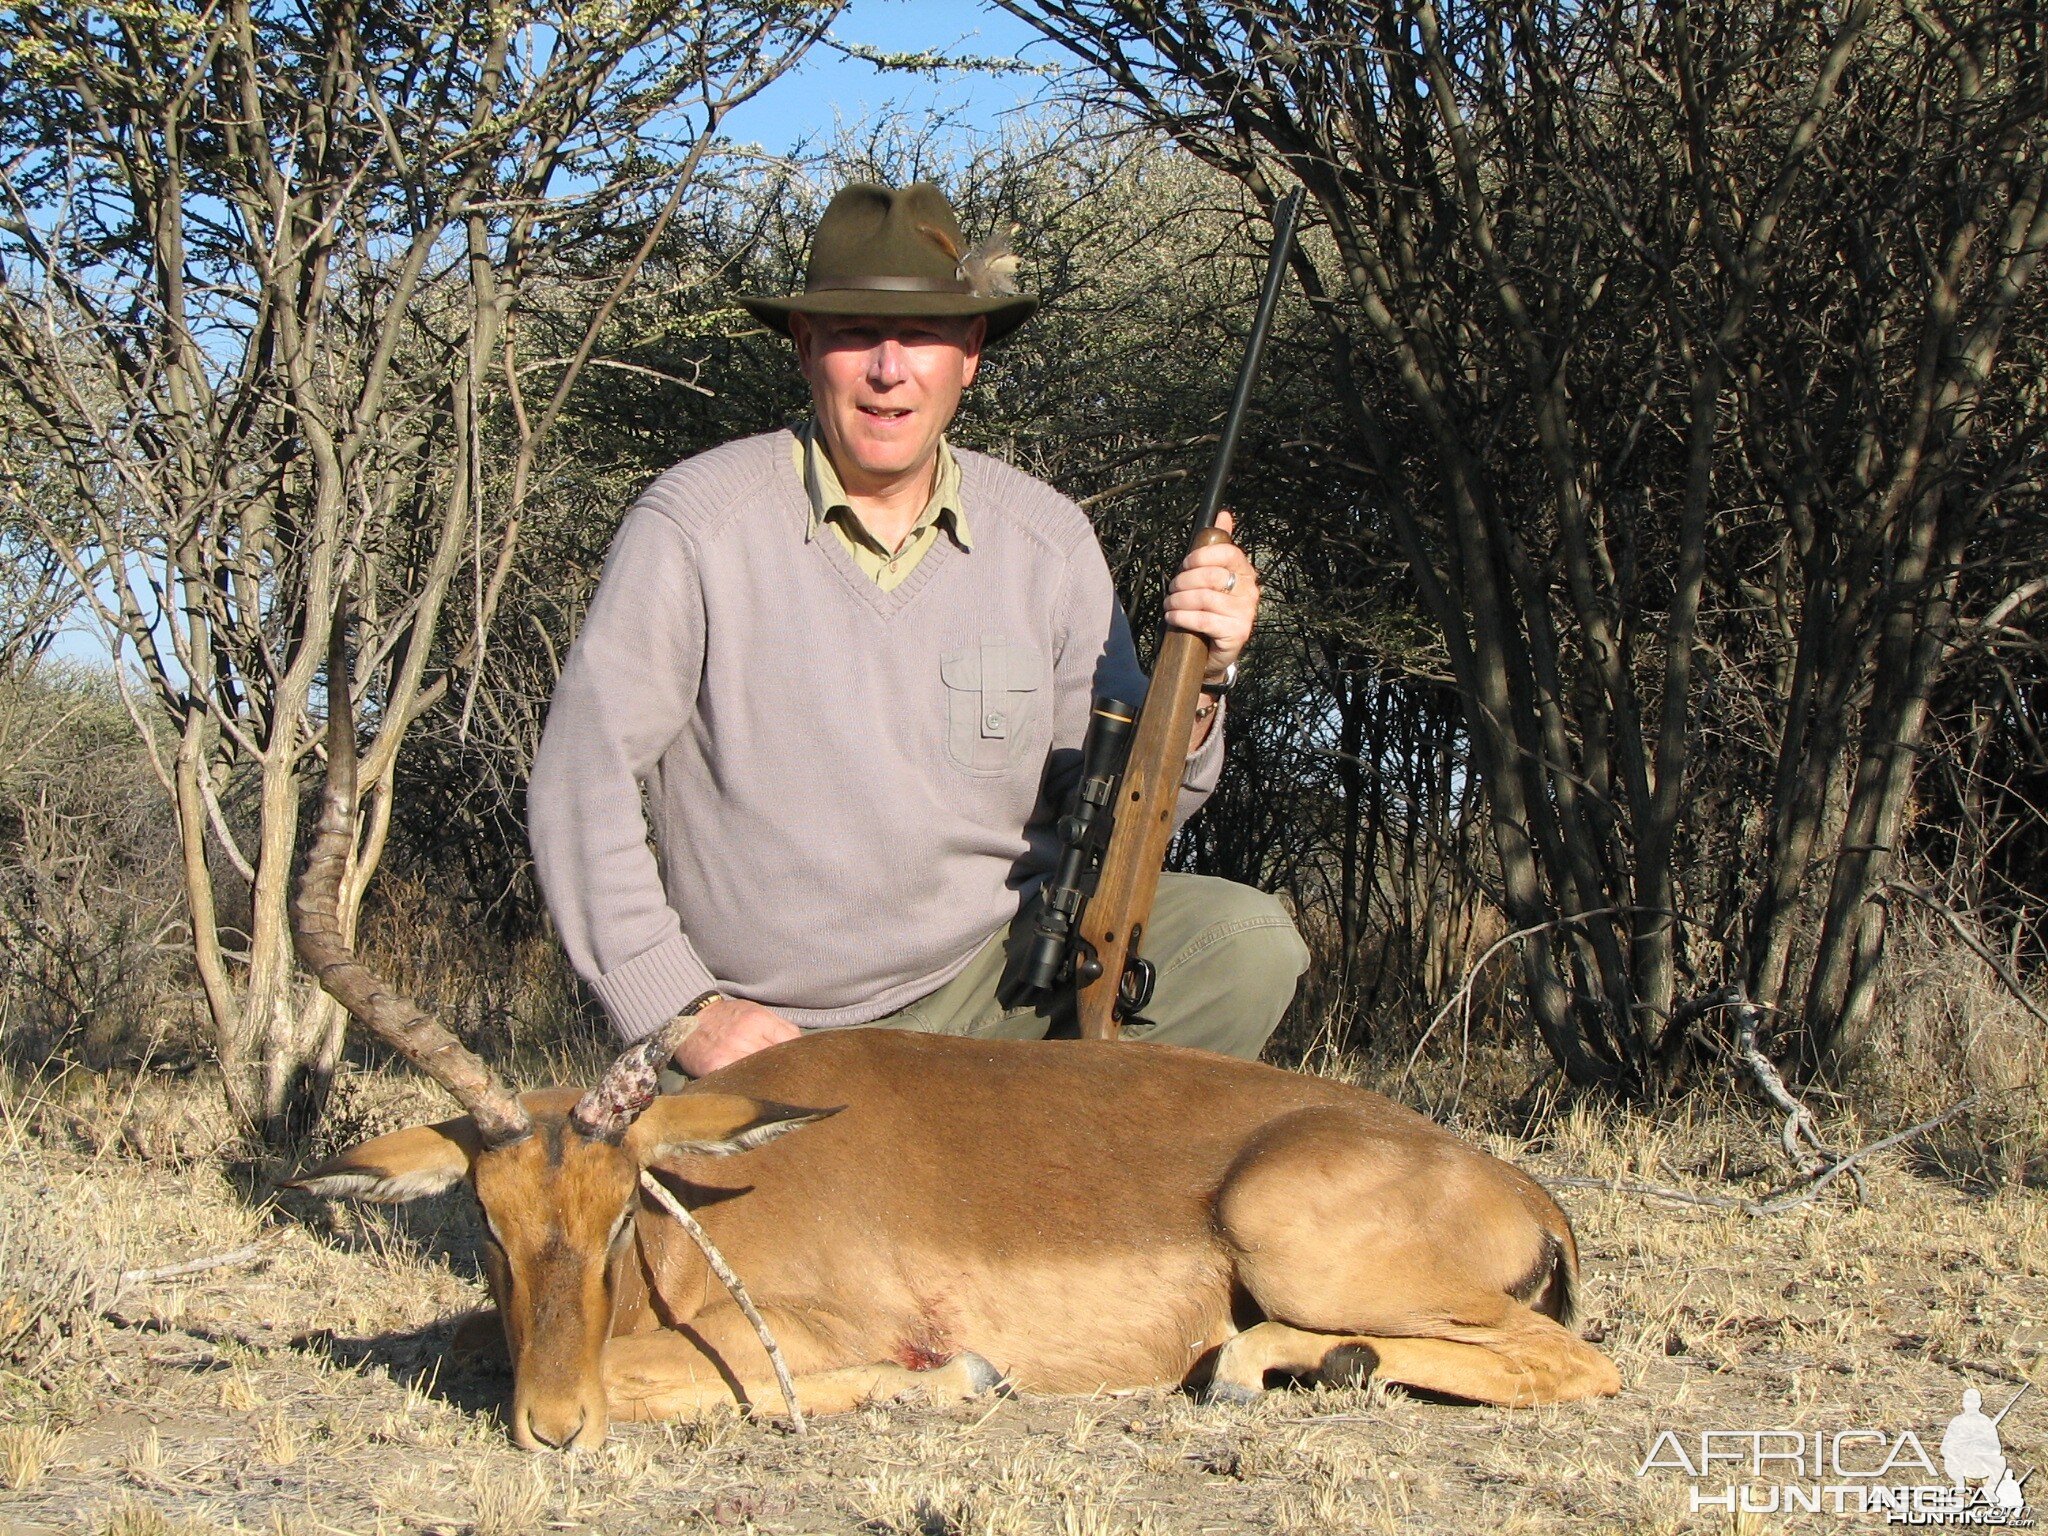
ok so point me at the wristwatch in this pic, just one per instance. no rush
(1223, 684)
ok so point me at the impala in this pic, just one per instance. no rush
(1065, 1215)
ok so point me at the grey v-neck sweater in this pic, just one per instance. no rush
(850, 789)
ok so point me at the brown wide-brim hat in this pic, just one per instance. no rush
(880, 251)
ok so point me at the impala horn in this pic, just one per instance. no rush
(316, 925)
(629, 1084)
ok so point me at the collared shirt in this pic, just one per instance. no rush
(883, 566)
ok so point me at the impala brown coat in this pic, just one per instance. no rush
(1080, 1214)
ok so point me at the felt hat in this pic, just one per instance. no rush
(884, 251)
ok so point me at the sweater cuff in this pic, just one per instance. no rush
(653, 987)
(1205, 765)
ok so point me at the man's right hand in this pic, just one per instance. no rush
(729, 1029)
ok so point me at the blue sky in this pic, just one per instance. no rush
(829, 88)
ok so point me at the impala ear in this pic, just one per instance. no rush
(406, 1165)
(713, 1125)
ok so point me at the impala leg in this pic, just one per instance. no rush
(1419, 1252)
(1239, 1373)
(1512, 1372)
(718, 1362)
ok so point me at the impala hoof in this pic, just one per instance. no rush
(1348, 1365)
(1229, 1392)
(982, 1378)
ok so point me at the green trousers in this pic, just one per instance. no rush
(1227, 958)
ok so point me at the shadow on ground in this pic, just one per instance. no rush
(442, 1228)
(1965, 1163)
(424, 1360)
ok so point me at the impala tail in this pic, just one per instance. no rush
(1553, 1285)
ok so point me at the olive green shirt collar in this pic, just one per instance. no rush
(828, 497)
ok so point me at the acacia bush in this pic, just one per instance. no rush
(1690, 359)
(259, 277)
(94, 957)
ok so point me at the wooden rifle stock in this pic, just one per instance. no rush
(1112, 925)
(1114, 920)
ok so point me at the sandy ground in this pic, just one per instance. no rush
(307, 1387)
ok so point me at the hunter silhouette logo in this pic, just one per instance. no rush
(1971, 1452)
(1856, 1471)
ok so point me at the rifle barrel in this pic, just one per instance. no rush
(1284, 214)
(2025, 1388)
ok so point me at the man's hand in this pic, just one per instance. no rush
(1216, 595)
(729, 1029)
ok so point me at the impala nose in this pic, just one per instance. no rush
(554, 1431)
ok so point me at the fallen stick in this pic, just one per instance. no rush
(241, 1255)
(1655, 1191)
(1783, 1198)
(1815, 1158)
(1799, 1122)
(723, 1270)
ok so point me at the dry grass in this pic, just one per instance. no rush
(309, 1392)
(27, 1451)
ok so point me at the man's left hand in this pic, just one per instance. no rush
(1215, 595)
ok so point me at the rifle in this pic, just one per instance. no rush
(1093, 910)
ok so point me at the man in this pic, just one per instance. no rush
(851, 667)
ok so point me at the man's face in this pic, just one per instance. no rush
(885, 388)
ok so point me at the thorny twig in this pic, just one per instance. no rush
(723, 1270)
(1463, 996)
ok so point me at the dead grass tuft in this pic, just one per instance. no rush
(1103, 1513)
(238, 1391)
(1947, 1027)
(27, 1451)
(143, 1457)
(279, 1441)
(508, 1501)
(57, 1236)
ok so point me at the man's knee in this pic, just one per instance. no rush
(1249, 933)
(1275, 951)
(1231, 972)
